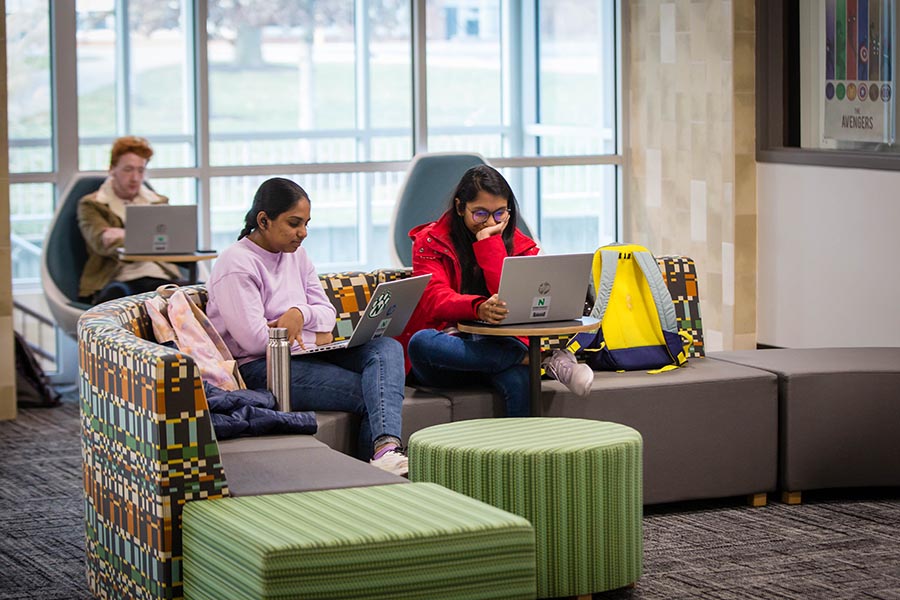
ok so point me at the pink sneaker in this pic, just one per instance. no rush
(565, 368)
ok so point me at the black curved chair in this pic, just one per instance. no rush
(65, 255)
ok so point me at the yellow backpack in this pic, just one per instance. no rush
(638, 327)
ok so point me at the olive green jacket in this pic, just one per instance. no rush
(93, 217)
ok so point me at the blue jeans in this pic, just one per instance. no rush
(367, 380)
(444, 360)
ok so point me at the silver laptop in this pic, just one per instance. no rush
(544, 287)
(386, 314)
(160, 229)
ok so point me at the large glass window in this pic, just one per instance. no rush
(324, 92)
(135, 76)
(465, 75)
(28, 98)
(31, 210)
(349, 222)
(576, 78)
(308, 82)
(521, 79)
(179, 190)
(387, 102)
(572, 207)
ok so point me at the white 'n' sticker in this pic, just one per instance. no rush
(160, 242)
(382, 326)
(540, 307)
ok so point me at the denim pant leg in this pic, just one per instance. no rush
(318, 385)
(514, 385)
(380, 365)
(444, 360)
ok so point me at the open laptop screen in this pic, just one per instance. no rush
(545, 287)
(160, 229)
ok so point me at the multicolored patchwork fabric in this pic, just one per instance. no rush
(148, 447)
(349, 293)
(680, 274)
(383, 275)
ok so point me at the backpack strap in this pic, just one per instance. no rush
(665, 308)
(609, 262)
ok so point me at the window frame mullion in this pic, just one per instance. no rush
(123, 69)
(63, 89)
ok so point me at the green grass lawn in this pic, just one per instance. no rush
(269, 99)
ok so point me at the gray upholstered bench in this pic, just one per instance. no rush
(839, 415)
(709, 428)
(416, 540)
(279, 464)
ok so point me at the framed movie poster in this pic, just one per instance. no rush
(858, 99)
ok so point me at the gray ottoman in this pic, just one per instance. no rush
(839, 415)
(709, 428)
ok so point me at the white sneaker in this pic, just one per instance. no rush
(392, 461)
(565, 368)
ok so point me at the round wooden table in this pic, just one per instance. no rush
(534, 332)
(188, 260)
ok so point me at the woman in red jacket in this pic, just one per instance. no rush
(464, 252)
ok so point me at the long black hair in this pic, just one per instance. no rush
(274, 196)
(481, 178)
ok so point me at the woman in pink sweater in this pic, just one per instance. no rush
(265, 280)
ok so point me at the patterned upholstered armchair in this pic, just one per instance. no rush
(148, 447)
(148, 444)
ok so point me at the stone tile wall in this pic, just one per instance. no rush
(691, 185)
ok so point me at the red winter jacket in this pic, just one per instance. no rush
(442, 305)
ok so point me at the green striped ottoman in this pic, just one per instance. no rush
(415, 540)
(577, 481)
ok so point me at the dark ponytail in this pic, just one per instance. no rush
(481, 178)
(274, 196)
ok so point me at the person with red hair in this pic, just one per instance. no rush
(101, 218)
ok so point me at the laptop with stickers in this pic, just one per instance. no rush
(160, 229)
(544, 287)
(386, 314)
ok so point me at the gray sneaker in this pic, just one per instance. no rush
(565, 368)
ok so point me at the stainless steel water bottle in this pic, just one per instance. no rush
(278, 367)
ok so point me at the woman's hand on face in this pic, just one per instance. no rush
(493, 310)
(293, 321)
(323, 337)
(494, 229)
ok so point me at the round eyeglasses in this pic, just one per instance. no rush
(481, 215)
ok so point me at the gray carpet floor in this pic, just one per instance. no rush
(843, 544)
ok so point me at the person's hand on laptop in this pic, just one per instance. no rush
(324, 337)
(493, 310)
(111, 236)
(292, 320)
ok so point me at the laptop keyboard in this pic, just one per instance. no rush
(324, 347)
